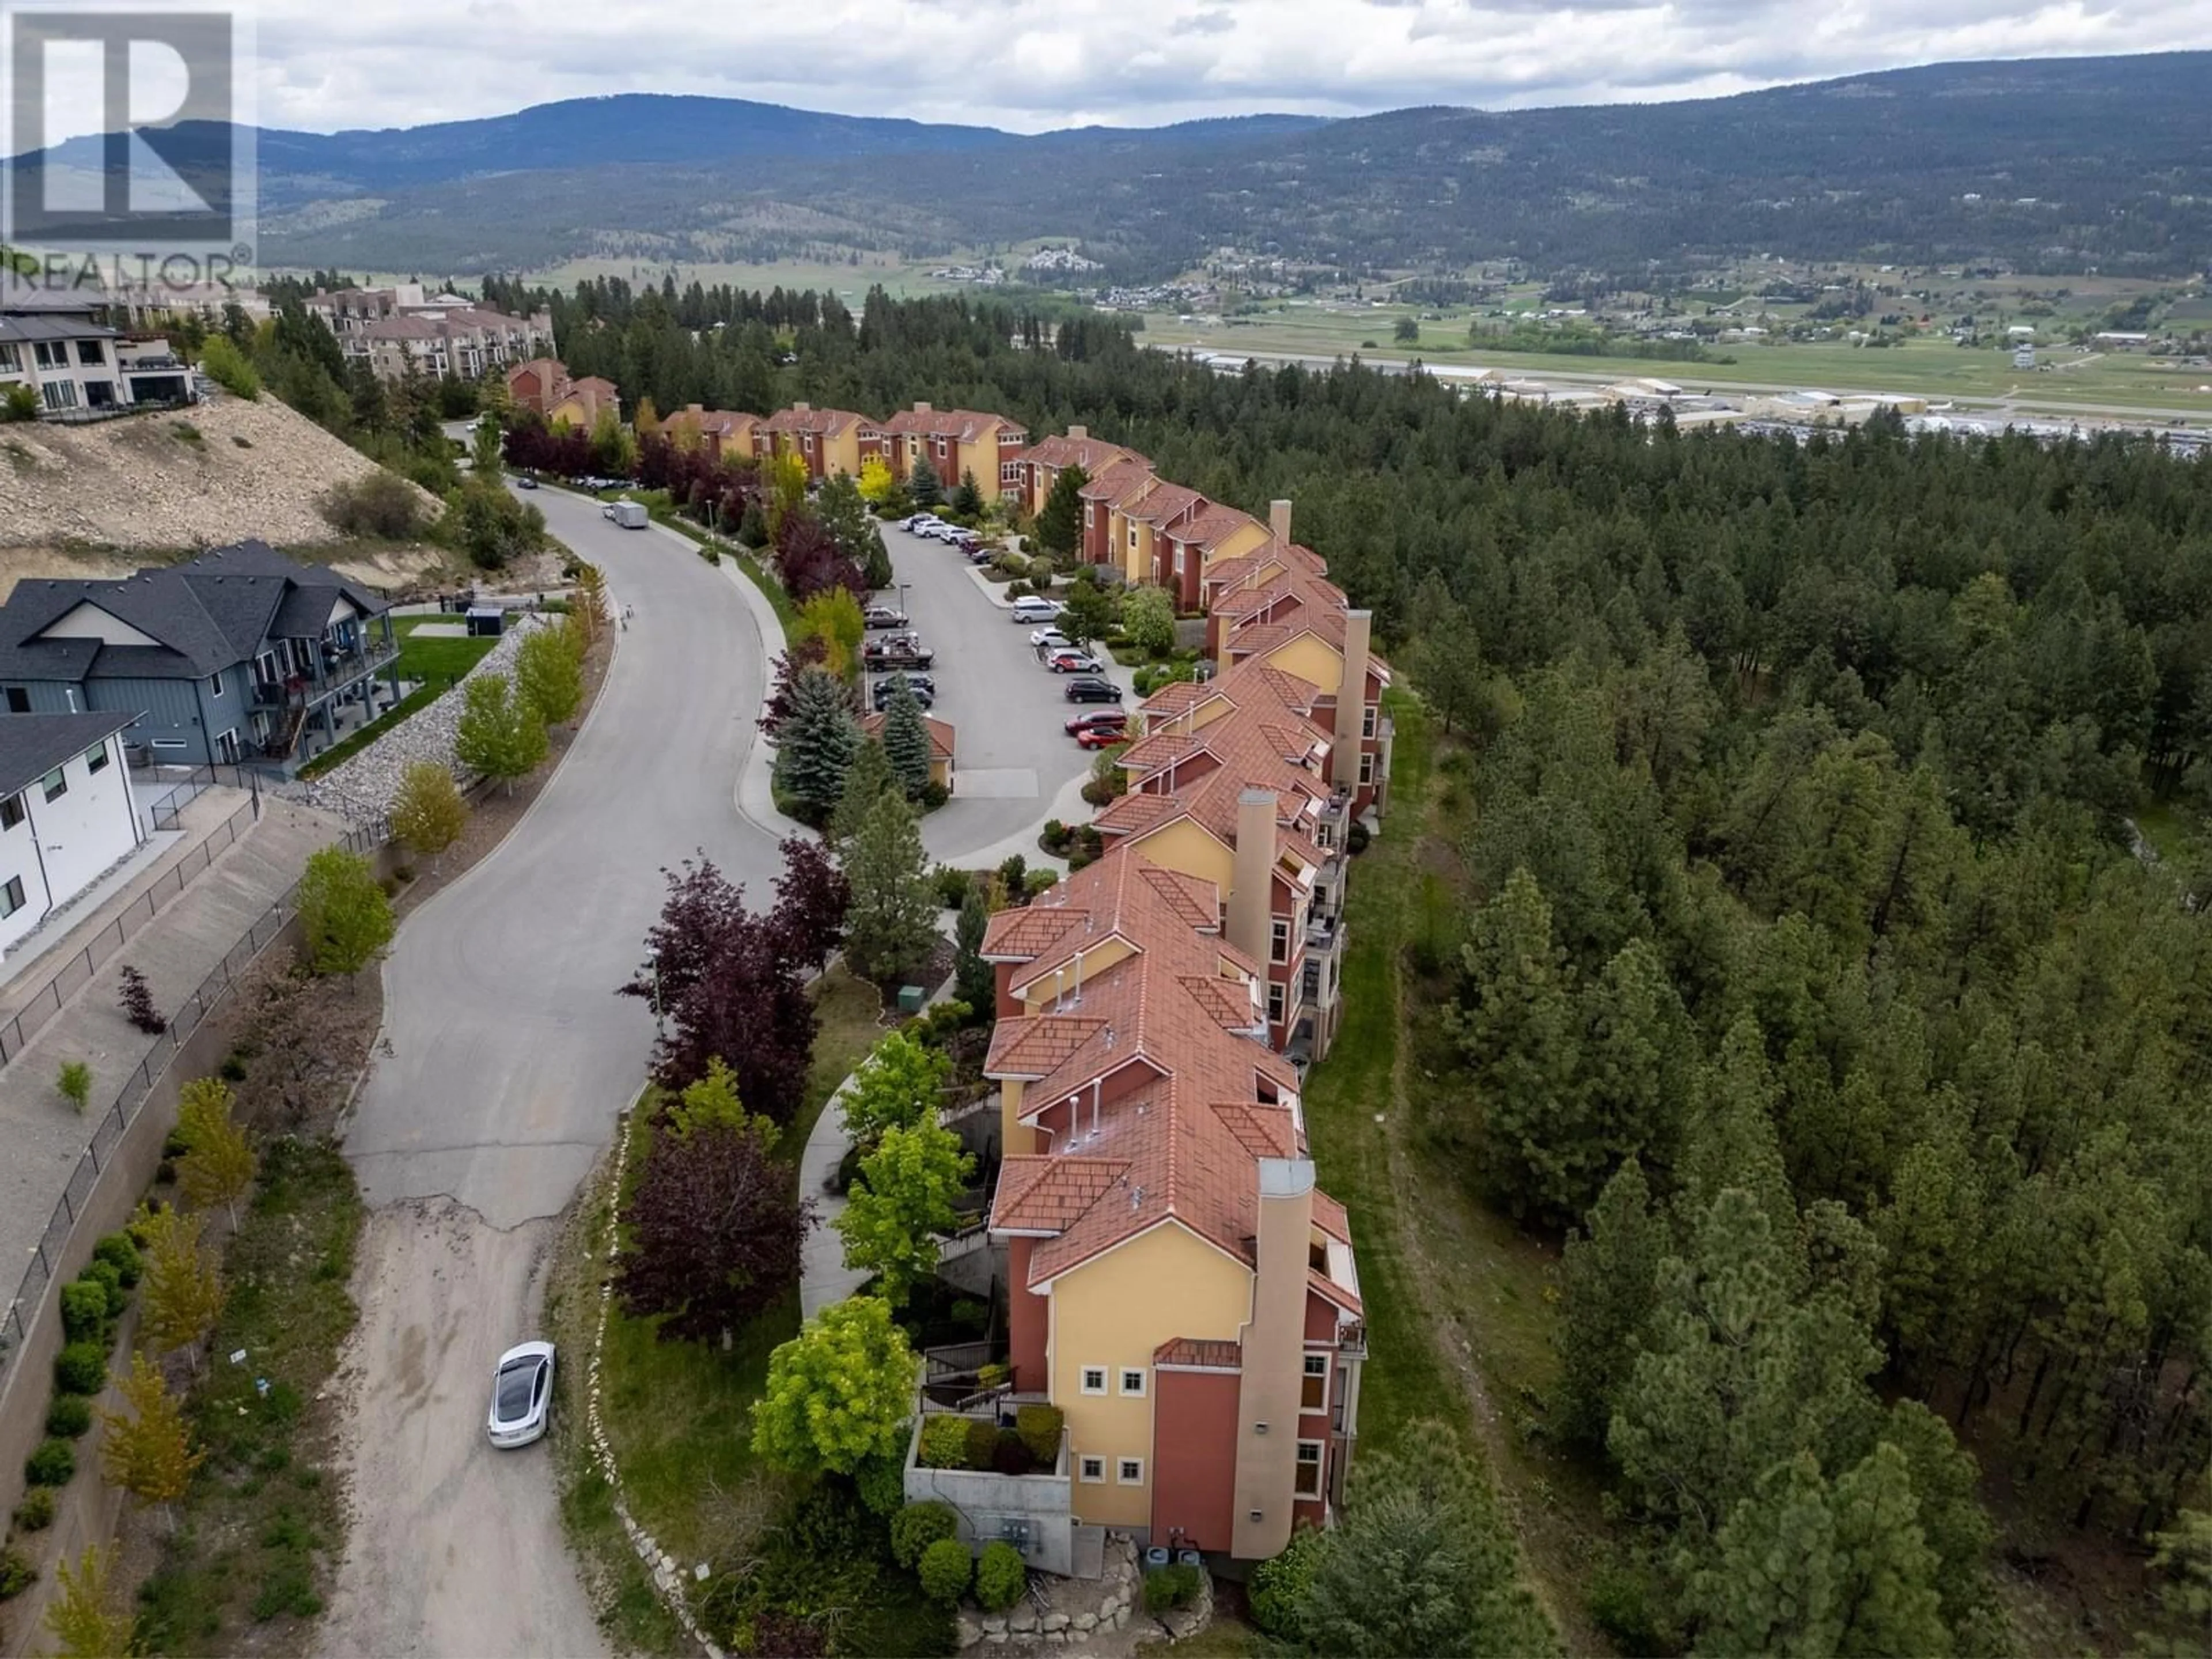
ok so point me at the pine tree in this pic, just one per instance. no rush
(866, 781)
(218, 1164)
(975, 980)
(906, 740)
(428, 811)
(968, 497)
(890, 927)
(1731, 1140)
(1607, 1275)
(1059, 528)
(499, 733)
(181, 1291)
(149, 1454)
(924, 487)
(816, 744)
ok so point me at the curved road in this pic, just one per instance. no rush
(510, 1056)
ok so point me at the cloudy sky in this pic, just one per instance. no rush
(1029, 65)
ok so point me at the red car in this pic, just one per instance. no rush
(1113, 719)
(1101, 737)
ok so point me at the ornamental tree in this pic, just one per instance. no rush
(811, 898)
(428, 809)
(839, 1392)
(344, 916)
(181, 1290)
(548, 674)
(218, 1164)
(149, 1453)
(1148, 618)
(896, 1087)
(500, 733)
(902, 1204)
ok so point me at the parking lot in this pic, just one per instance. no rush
(1014, 755)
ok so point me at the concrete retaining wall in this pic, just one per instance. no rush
(984, 1501)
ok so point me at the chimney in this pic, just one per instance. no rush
(802, 409)
(920, 407)
(1078, 433)
(1279, 521)
(1249, 881)
(1268, 1394)
(1352, 699)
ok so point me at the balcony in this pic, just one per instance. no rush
(334, 670)
(1324, 937)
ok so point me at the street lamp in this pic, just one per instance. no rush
(902, 597)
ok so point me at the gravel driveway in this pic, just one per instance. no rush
(510, 1057)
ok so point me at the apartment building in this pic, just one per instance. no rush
(828, 440)
(724, 433)
(957, 443)
(1179, 1286)
(1036, 470)
(544, 386)
(402, 329)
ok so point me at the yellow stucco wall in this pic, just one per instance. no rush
(841, 453)
(1112, 1312)
(1237, 542)
(1186, 846)
(1039, 996)
(1310, 660)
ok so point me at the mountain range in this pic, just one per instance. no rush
(2051, 165)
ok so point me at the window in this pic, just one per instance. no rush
(1094, 1379)
(1275, 993)
(1089, 510)
(59, 394)
(1132, 1383)
(52, 354)
(11, 358)
(215, 683)
(1279, 940)
(1312, 1388)
(54, 784)
(19, 700)
(96, 759)
(1367, 721)
(1129, 1471)
(89, 351)
(1306, 1483)
(12, 812)
(168, 742)
(1091, 1469)
(1366, 769)
(11, 895)
(1133, 537)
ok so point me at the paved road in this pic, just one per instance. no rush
(1014, 753)
(510, 1059)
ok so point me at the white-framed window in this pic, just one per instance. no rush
(1090, 511)
(1313, 1386)
(1276, 989)
(11, 358)
(59, 394)
(1092, 1469)
(215, 683)
(1306, 1482)
(940, 449)
(55, 785)
(1132, 1382)
(1279, 940)
(1367, 721)
(95, 758)
(12, 812)
(1129, 1471)
(89, 351)
(1094, 1379)
(1132, 539)
(11, 895)
(50, 354)
(168, 742)
(1366, 769)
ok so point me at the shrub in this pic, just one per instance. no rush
(226, 365)
(36, 1512)
(1039, 881)
(934, 795)
(1279, 1584)
(16, 1574)
(51, 1465)
(74, 1082)
(1009, 1455)
(1013, 873)
(81, 1368)
(1039, 1427)
(21, 403)
(119, 1253)
(944, 1569)
(70, 1416)
(882, 1482)
(1055, 835)
(952, 885)
(84, 1310)
(1355, 838)
(233, 1069)
(982, 1443)
(137, 998)
(109, 1277)
(968, 1313)
(381, 504)
(944, 1443)
(918, 1526)
(1000, 1576)
(1166, 1588)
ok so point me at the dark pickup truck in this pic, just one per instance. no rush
(896, 651)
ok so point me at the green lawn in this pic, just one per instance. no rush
(678, 1414)
(433, 660)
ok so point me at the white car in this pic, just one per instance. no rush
(1050, 639)
(521, 1394)
(1036, 608)
(917, 521)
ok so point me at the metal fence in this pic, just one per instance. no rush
(139, 1086)
(72, 976)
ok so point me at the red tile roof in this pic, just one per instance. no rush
(1121, 482)
(1093, 455)
(822, 421)
(1165, 503)
(1202, 1353)
(1047, 1195)
(941, 732)
(968, 425)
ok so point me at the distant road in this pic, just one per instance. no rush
(1692, 376)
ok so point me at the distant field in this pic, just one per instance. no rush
(850, 281)
(1926, 367)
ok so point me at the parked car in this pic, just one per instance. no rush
(966, 540)
(1098, 719)
(1071, 661)
(923, 687)
(607, 511)
(897, 651)
(1089, 688)
(918, 522)
(521, 1394)
(1050, 639)
(1101, 737)
(884, 615)
(1036, 608)
(979, 553)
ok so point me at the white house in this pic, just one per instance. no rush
(66, 813)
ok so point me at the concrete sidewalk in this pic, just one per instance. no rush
(41, 1137)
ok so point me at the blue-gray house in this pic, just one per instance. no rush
(231, 657)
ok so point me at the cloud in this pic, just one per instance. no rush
(1029, 65)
